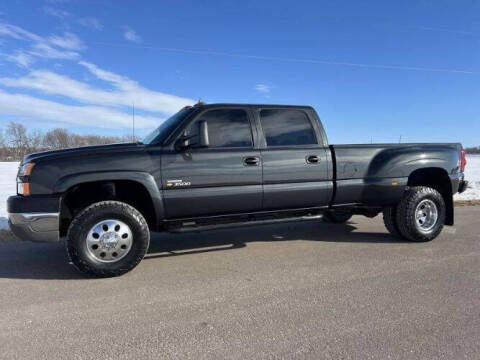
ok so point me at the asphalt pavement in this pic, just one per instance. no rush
(294, 290)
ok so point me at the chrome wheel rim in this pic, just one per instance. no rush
(426, 215)
(109, 240)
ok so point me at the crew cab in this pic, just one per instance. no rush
(217, 165)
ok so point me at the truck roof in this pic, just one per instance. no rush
(213, 105)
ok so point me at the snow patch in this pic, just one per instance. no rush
(8, 174)
(472, 175)
(3, 223)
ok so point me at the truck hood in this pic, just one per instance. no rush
(82, 151)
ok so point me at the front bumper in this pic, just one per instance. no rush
(38, 227)
(34, 218)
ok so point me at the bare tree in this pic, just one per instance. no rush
(2, 139)
(3, 146)
(35, 140)
(18, 139)
(57, 139)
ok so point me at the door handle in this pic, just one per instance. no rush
(251, 161)
(312, 159)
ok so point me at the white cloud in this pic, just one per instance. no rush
(125, 92)
(18, 33)
(67, 41)
(20, 58)
(263, 88)
(22, 106)
(144, 98)
(49, 10)
(53, 47)
(131, 35)
(107, 106)
(91, 23)
(108, 76)
(46, 51)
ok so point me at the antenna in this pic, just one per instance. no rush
(400, 139)
(199, 102)
(133, 122)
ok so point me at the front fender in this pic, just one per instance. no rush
(147, 180)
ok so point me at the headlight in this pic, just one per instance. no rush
(26, 169)
(23, 186)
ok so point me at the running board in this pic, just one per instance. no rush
(191, 226)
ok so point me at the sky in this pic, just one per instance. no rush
(375, 71)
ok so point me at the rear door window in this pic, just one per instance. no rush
(287, 127)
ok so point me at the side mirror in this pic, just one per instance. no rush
(189, 141)
(183, 143)
(203, 133)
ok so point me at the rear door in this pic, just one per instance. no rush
(295, 159)
(224, 178)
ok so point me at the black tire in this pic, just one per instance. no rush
(390, 220)
(78, 230)
(406, 209)
(337, 217)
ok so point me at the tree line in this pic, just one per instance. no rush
(473, 150)
(16, 140)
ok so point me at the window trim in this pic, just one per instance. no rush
(250, 118)
(318, 143)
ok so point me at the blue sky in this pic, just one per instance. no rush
(374, 70)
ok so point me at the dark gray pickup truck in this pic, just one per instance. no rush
(210, 166)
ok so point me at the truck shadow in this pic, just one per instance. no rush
(24, 260)
(164, 245)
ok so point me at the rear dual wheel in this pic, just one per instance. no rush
(419, 216)
(390, 220)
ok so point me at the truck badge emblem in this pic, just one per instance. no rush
(178, 183)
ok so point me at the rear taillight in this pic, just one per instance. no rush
(463, 160)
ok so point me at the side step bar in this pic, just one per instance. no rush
(191, 226)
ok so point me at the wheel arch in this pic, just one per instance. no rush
(134, 188)
(438, 179)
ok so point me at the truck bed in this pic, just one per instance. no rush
(363, 172)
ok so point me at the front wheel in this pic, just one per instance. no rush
(108, 238)
(421, 214)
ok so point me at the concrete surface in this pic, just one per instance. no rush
(298, 290)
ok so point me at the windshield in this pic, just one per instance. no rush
(160, 133)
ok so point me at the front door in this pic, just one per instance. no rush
(223, 178)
